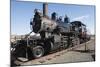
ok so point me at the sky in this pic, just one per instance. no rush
(22, 12)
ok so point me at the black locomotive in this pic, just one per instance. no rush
(54, 34)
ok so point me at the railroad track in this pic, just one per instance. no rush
(51, 55)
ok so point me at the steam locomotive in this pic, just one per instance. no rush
(54, 34)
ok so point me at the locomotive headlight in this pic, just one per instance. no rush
(36, 26)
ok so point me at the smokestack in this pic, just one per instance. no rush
(45, 9)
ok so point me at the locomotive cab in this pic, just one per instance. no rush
(81, 30)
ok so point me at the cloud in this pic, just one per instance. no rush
(80, 18)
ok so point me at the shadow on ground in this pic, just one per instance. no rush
(84, 51)
(92, 52)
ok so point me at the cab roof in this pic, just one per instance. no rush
(79, 23)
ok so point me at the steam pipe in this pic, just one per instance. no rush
(45, 9)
